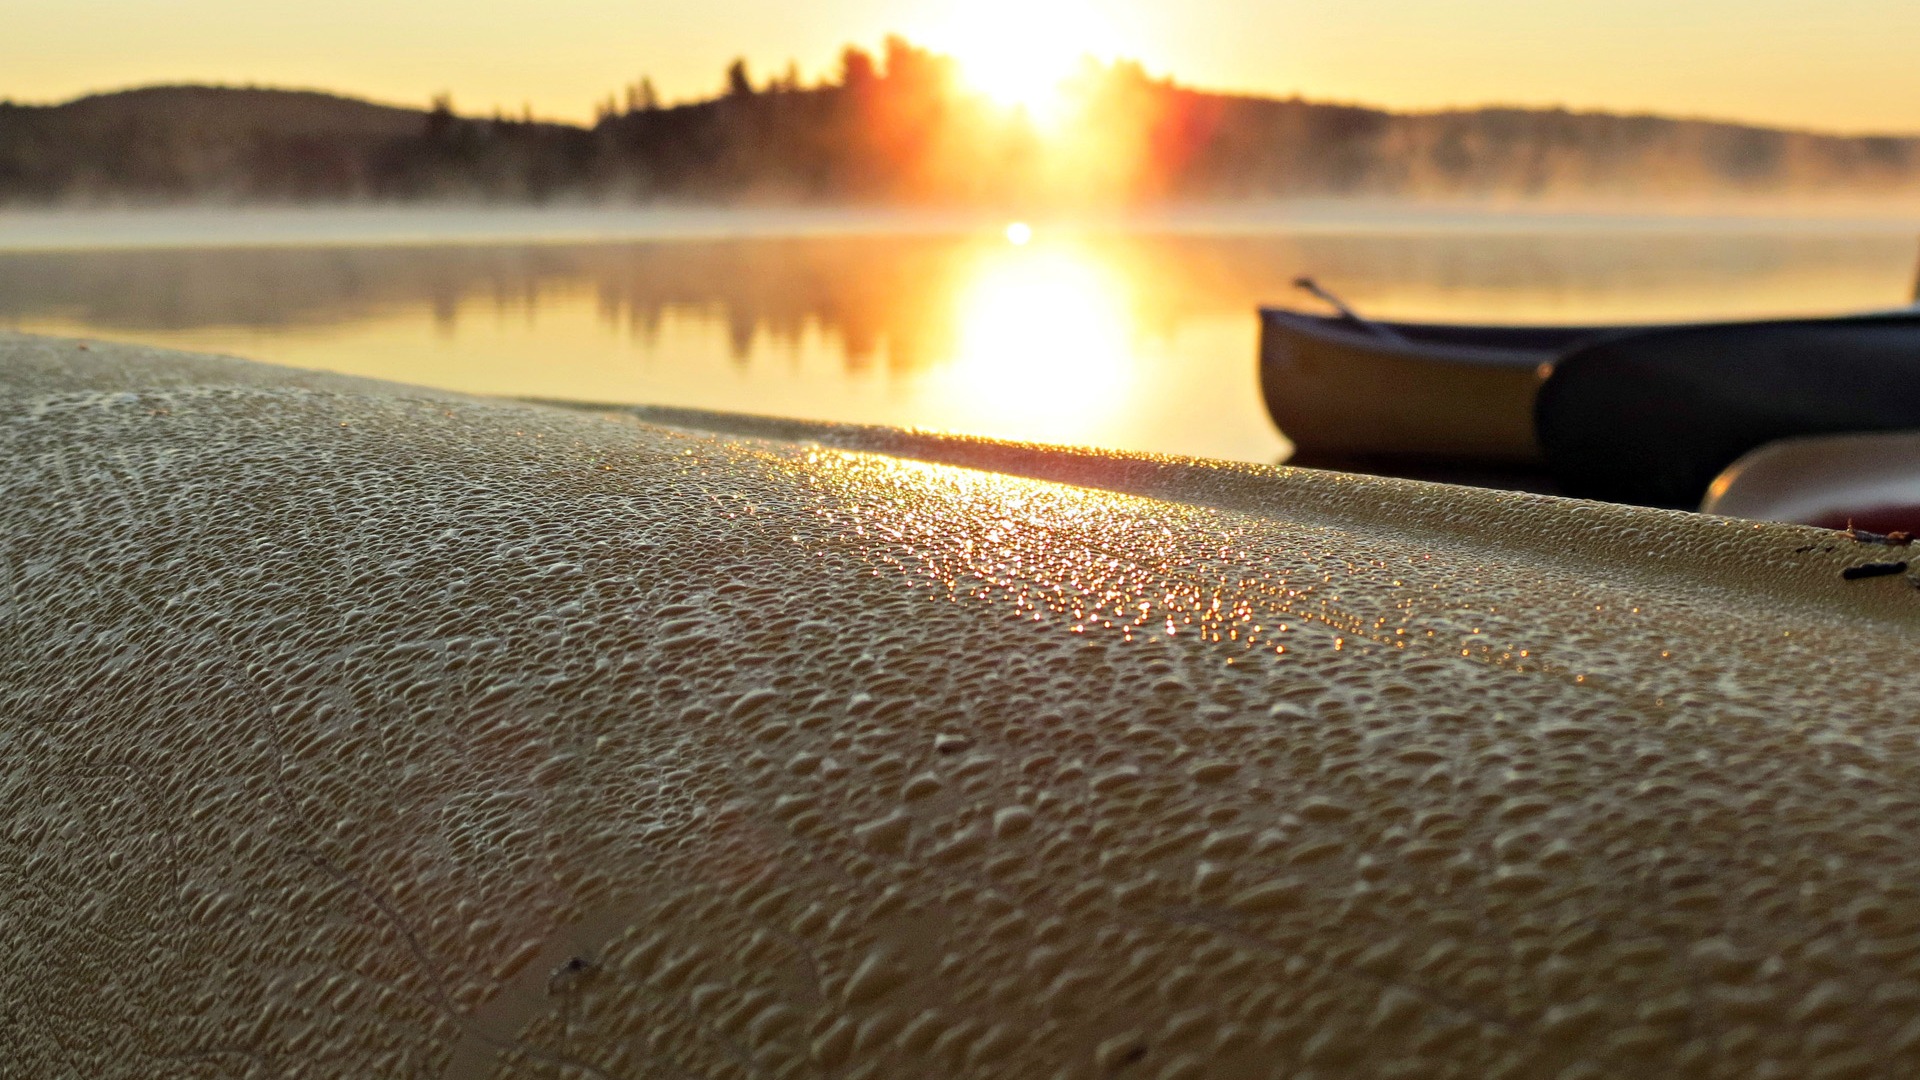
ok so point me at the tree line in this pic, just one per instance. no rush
(901, 128)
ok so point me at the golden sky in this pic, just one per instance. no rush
(1847, 65)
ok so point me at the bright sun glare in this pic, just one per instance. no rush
(1043, 350)
(1018, 52)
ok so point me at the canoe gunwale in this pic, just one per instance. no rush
(1443, 343)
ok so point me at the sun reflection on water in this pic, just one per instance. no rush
(1126, 340)
(1043, 346)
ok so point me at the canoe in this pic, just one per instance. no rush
(1345, 392)
(1862, 482)
(365, 730)
(1641, 414)
(1652, 417)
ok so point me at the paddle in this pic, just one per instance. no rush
(1387, 333)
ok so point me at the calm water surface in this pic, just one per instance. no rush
(1138, 339)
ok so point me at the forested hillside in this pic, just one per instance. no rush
(901, 128)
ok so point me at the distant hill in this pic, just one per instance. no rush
(1245, 147)
(222, 112)
(186, 143)
(174, 144)
(900, 128)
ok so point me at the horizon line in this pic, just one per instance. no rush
(1168, 79)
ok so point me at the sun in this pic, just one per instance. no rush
(1019, 52)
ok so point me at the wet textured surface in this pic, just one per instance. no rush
(354, 732)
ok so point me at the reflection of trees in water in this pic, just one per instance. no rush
(891, 299)
(873, 295)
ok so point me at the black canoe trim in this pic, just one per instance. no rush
(1458, 343)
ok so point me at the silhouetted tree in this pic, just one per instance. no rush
(738, 85)
(921, 71)
(857, 72)
(641, 96)
(440, 119)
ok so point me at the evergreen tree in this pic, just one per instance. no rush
(738, 85)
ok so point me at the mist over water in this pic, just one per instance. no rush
(1137, 337)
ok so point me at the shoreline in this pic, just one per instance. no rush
(445, 225)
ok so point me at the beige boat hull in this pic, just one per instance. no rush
(355, 730)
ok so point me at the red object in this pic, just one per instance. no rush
(1881, 519)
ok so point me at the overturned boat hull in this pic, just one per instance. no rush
(361, 730)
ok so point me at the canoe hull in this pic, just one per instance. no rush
(1652, 418)
(1341, 394)
(360, 731)
(1869, 482)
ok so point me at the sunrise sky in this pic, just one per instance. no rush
(1845, 65)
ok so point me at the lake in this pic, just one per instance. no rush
(1137, 335)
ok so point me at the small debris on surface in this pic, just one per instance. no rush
(1873, 569)
(1892, 539)
(569, 974)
